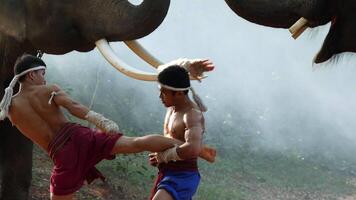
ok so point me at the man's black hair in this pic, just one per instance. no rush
(174, 76)
(25, 62)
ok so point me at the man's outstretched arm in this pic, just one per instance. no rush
(61, 98)
(195, 67)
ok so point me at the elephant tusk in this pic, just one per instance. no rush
(299, 27)
(105, 49)
(141, 52)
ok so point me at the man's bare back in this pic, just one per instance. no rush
(31, 113)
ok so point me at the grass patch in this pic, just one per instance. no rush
(260, 175)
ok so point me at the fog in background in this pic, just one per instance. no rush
(264, 89)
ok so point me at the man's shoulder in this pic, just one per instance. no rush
(14, 101)
(49, 88)
(193, 112)
(53, 87)
(192, 116)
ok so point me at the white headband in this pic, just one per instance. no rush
(173, 88)
(185, 63)
(6, 100)
(196, 97)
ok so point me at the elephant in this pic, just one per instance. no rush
(284, 13)
(58, 27)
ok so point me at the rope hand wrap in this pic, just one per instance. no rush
(185, 63)
(168, 155)
(101, 122)
(6, 100)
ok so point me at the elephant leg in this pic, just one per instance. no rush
(17, 163)
(15, 149)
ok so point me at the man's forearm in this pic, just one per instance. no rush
(188, 150)
(182, 152)
(78, 110)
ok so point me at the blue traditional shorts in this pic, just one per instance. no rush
(182, 185)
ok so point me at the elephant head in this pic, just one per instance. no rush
(57, 27)
(284, 13)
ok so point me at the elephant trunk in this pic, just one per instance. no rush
(281, 14)
(342, 32)
(120, 20)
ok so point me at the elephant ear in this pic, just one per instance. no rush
(12, 18)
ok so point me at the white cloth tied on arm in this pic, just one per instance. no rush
(168, 155)
(185, 63)
(54, 93)
(101, 122)
(6, 100)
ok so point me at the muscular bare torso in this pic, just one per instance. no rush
(34, 117)
(175, 122)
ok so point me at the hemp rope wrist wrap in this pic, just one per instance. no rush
(168, 155)
(101, 122)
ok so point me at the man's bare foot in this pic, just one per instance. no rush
(208, 154)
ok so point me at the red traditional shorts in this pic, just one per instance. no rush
(75, 151)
